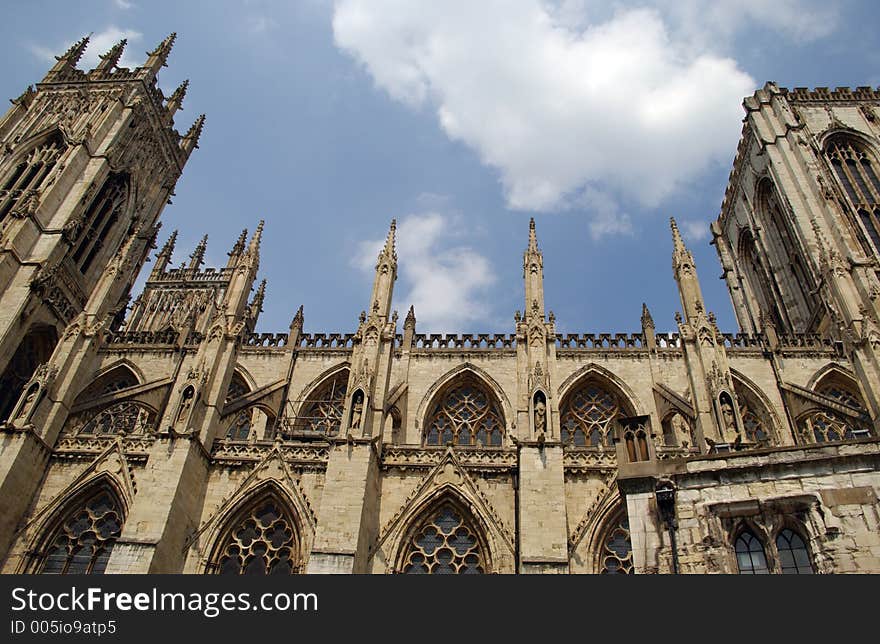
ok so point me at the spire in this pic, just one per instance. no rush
(190, 140)
(164, 256)
(533, 238)
(297, 322)
(111, 58)
(254, 246)
(175, 101)
(679, 250)
(647, 320)
(156, 58)
(533, 274)
(389, 249)
(70, 58)
(685, 272)
(259, 297)
(238, 247)
(410, 321)
(198, 257)
(386, 274)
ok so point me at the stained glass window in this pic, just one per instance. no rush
(586, 416)
(84, 541)
(262, 542)
(617, 549)
(445, 544)
(466, 414)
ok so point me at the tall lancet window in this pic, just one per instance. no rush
(858, 175)
(103, 213)
(28, 174)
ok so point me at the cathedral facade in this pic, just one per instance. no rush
(163, 435)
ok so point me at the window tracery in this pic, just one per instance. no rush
(322, 411)
(83, 541)
(826, 425)
(240, 428)
(465, 414)
(857, 174)
(125, 417)
(29, 173)
(750, 556)
(237, 387)
(586, 416)
(444, 544)
(101, 216)
(616, 549)
(262, 541)
(794, 558)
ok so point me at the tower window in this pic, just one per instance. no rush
(29, 173)
(794, 558)
(857, 175)
(750, 557)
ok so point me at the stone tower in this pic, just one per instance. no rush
(799, 231)
(90, 158)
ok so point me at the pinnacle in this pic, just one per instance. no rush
(111, 58)
(72, 55)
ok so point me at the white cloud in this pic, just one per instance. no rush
(123, 4)
(445, 282)
(569, 99)
(694, 230)
(99, 43)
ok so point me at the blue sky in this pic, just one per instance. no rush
(461, 120)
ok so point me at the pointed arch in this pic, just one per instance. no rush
(116, 377)
(323, 402)
(240, 384)
(853, 160)
(611, 544)
(32, 162)
(445, 535)
(821, 424)
(35, 349)
(750, 549)
(463, 408)
(464, 369)
(80, 529)
(759, 418)
(260, 533)
(590, 400)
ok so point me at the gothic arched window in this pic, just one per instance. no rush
(750, 557)
(586, 415)
(25, 178)
(261, 540)
(84, 539)
(756, 277)
(444, 543)
(466, 413)
(125, 417)
(616, 548)
(238, 387)
(826, 425)
(35, 349)
(755, 418)
(321, 413)
(117, 379)
(857, 173)
(101, 216)
(794, 558)
(240, 428)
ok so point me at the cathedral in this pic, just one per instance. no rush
(157, 432)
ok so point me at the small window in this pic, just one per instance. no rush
(750, 557)
(794, 558)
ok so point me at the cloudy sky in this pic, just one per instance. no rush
(461, 119)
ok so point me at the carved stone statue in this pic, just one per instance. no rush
(729, 430)
(357, 411)
(28, 403)
(540, 416)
